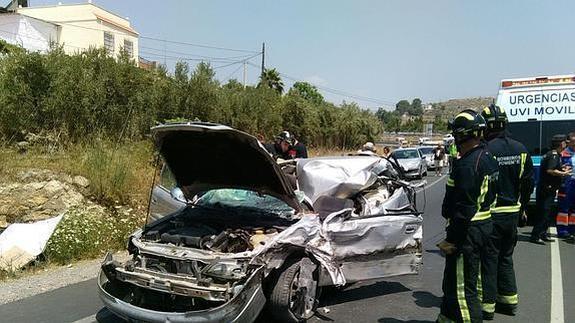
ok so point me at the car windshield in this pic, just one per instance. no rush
(245, 199)
(405, 154)
(426, 150)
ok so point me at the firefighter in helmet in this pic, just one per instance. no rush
(471, 189)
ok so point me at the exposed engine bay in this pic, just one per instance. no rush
(211, 281)
(220, 233)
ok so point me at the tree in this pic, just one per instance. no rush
(271, 79)
(416, 107)
(307, 91)
(202, 93)
(403, 107)
(234, 85)
(182, 72)
(391, 120)
(439, 124)
(92, 95)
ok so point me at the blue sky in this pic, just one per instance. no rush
(384, 50)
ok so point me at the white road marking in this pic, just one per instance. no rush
(432, 183)
(89, 319)
(557, 313)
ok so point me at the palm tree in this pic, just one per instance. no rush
(271, 78)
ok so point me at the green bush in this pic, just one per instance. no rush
(88, 233)
(75, 98)
(109, 172)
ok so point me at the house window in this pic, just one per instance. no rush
(109, 42)
(129, 47)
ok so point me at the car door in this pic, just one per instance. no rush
(380, 245)
(162, 202)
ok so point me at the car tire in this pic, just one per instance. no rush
(285, 297)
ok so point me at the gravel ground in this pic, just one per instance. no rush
(50, 279)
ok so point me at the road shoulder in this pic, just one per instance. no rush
(50, 279)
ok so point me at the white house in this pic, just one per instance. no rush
(76, 27)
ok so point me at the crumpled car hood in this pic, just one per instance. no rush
(340, 177)
(207, 156)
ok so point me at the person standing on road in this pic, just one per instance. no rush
(470, 191)
(368, 149)
(566, 214)
(550, 175)
(514, 187)
(438, 156)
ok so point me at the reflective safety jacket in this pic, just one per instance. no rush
(453, 151)
(515, 182)
(567, 159)
(471, 189)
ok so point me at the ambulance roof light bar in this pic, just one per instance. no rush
(541, 80)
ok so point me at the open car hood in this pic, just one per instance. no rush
(206, 156)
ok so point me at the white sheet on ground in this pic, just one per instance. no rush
(21, 243)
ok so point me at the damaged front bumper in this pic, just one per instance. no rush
(244, 306)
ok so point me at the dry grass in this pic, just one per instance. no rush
(118, 173)
(317, 152)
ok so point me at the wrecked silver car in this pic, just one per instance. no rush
(248, 237)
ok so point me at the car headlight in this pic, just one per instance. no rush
(231, 271)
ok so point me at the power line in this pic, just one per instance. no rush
(161, 40)
(204, 59)
(234, 72)
(199, 45)
(226, 65)
(335, 91)
(229, 58)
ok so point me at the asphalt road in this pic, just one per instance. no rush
(400, 299)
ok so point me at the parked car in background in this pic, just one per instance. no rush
(423, 140)
(241, 236)
(412, 161)
(427, 152)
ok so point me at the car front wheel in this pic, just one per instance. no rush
(294, 297)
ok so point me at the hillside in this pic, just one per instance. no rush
(450, 107)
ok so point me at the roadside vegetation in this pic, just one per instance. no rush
(71, 98)
(90, 114)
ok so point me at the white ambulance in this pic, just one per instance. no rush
(538, 108)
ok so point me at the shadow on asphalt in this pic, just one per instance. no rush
(390, 320)
(334, 296)
(524, 237)
(105, 316)
(426, 299)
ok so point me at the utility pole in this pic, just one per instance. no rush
(263, 57)
(165, 53)
(245, 73)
